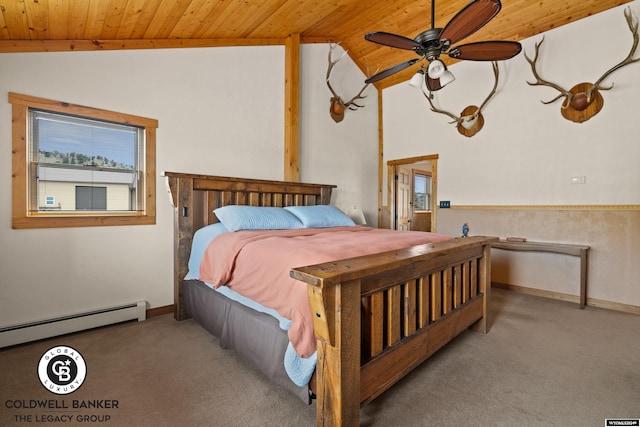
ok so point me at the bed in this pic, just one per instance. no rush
(375, 317)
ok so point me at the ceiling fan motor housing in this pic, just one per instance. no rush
(432, 46)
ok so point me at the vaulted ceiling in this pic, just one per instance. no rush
(63, 25)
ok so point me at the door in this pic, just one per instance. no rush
(402, 214)
(421, 200)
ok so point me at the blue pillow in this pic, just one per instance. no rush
(236, 217)
(320, 216)
(201, 239)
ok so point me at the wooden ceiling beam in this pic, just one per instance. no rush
(13, 46)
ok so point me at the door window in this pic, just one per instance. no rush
(421, 192)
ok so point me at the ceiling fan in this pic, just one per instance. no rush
(434, 42)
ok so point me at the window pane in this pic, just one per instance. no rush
(421, 192)
(78, 141)
(69, 152)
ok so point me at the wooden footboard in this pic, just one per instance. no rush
(377, 317)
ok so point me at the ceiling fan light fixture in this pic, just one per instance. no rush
(417, 79)
(436, 69)
(446, 78)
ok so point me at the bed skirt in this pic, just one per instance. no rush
(255, 337)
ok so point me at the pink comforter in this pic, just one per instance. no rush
(256, 264)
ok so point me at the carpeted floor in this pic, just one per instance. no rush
(544, 363)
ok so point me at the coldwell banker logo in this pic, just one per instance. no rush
(62, 370)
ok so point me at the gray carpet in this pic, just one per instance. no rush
(544, 363)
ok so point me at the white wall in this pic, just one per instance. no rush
(220, 112)
(527, 152)
(345, 153)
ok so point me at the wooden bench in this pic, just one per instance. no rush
(559, 248)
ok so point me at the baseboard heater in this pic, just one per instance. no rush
(33, 331)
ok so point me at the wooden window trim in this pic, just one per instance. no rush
(22, 218)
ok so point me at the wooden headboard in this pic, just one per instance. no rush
(195, 197)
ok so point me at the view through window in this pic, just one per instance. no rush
(77, 166)
(421, 192)
(84, 164)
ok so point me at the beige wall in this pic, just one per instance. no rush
(612, 235)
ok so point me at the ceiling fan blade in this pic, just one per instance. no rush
(392, 40)
(470, 19)
(392, 70)
(494, 50)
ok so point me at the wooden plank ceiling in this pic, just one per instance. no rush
(62, 25)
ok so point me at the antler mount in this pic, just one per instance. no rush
(338, 106)
(584, 100)
(471, 120)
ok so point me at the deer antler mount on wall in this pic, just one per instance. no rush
(338, 106)
(470, 120)
(584, 100)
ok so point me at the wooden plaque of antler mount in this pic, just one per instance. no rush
(593, 108)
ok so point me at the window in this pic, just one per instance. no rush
(79, 166)
(421, 192)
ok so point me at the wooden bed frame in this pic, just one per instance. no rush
(376, 317)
